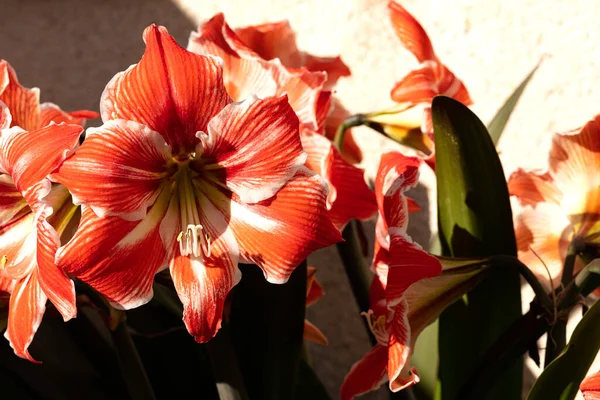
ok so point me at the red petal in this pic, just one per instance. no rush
(254, 147)
(449, 85)
(411, 33)
(314, 334)
(171, 90)
(367, 374)
(117, 170)
(26, 309)
(12, 203)
(28, 157)
(53, 281)
(399, 349)
(314, 290)
(418, 86)
(273, 40)
(203, 283)
(24, 104)
(333, 66)
(349, 195)
(590, 387)
(124, 257)
(278, 233)
(408, 263)
(18, 244)
(324, 106)
(532, 187)
(50, 112)
(397, 173)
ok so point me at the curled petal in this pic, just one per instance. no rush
(203, 282)
(26, 309)
(12, 203)
(273, 40)
(400, 349)
(171, 90)
(23, 103)
(5, 117)
(50, 112)
(124, 257)
(57, 286)
(314, 334)
(127, 160)
(590, 387)
(253, 148)
(411, 33)
(28, 157)
(333, 66)
(278, 233)
(367, 374)
(314, 290)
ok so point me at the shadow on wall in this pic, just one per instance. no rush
(70, 49)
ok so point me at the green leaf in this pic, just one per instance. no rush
(498, 123)
(267, 322)
(561, 379)
(475, 220)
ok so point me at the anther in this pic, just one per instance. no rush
(3, 261)
(192, 241)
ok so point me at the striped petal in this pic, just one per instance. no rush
(418, 86)
(23, 103)
(253, 148)
(5, 117)
(171, 90)
(203, 282)
(400, 349)
(12, 203)
(590, 387)
(117, 170)
(367, 374)
(349, 195)
(50, 112)
(124, 257)
(410, 32)
(277, 234)
(28, 157)
(532, 187)
(26, 309)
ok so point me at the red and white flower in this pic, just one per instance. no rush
(246, 72)
(560, 204)
(33, 215)
(590, 387)
(181, 176)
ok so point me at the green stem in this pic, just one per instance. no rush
(132, 368)
(350, 122)
(557, 335)
(357, 270)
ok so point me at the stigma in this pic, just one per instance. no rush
(194, 241)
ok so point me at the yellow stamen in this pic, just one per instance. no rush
(3, 261)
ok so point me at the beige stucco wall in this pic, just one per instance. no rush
(71, 48)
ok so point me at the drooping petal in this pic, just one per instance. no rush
(411, 33)
(590, 387)
(532, 187)
(28, 157)
(397, 173)
(117, 170)
(203, 282)
(5, 117)
(26, 309)
(253, 148)
(367, 374)
(23, 103)
(314, 334)
(547, 231)
(273, 40)
(50, 112)
(124, 257)
(171, 90)
(349, 195)
(56, 285)
(314, 290)
(278, 233)
(400, 349)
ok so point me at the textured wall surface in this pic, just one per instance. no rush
(71, 48)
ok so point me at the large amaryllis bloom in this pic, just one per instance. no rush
(246, 72)
(314, 291)
(590, 387)
(181, 176)
(561, 204)
(25, 108)
(34, 213)
(418, 87)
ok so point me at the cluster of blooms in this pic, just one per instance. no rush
(221, 153)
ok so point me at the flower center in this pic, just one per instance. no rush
(194, 239)
(378, 328)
